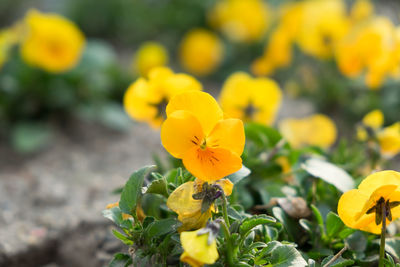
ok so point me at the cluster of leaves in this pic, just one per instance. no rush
(30, 97)
(272, 219)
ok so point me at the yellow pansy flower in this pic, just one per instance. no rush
(323, 24)
(197, 250)
(371, 48)
(360, 208)
(389, 140)
(188, 209)
(250, 99)
(52, 42)
(241, 21)
(373, 120)
(146, 99)
(148, 56)
(201, 52)
(316, 130)
(196, 132)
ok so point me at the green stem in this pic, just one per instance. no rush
(229, 251)
(383, 233)
(225, 209)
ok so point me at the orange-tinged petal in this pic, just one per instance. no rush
(201, 104)
(180, 132)
(228, 134)
(211, 164)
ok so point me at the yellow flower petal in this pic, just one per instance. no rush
(180, 132)
(374, 119)
(377, 179)
(389, 140)
(201, 52)
(354, 204)
(197, 248)
(202, 105)
(228, 134)
(148, 56)
(137, 99)
(52, 42)
(226, 185)
(181, 200)
(211, 164)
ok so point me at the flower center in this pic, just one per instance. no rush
(161, 108)
(203, 145)
(250, 110)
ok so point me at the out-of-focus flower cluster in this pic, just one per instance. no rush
(360, 41)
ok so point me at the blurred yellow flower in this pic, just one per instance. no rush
(201, 52)
(197, 251)
(373, 120)
(389, 140)
(52, 42)
(188, 209)
(148, 56)
(146, 99)
(278, 50)
(373, 48)
(324, 23)
(139, 211)
(277, 54)
(361, 10)
(241, 21)
(196, 132)
(362, 208)
(316, 130)
(250, 99)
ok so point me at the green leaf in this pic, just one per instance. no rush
(132, 191)
(120, 260)
(122, 237)
(357, 241)
(249, 223)
(28, 137)
(290, 226)
(114, 214)
(340, 262)
(262, 135)
(393, 247)
(162, 227)
(330, 173)
(333, 224)
(318, 217)
(282, 255)
(239, 175)
(158, 187)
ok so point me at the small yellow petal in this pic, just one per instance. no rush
(202, 105)
(197, 248)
